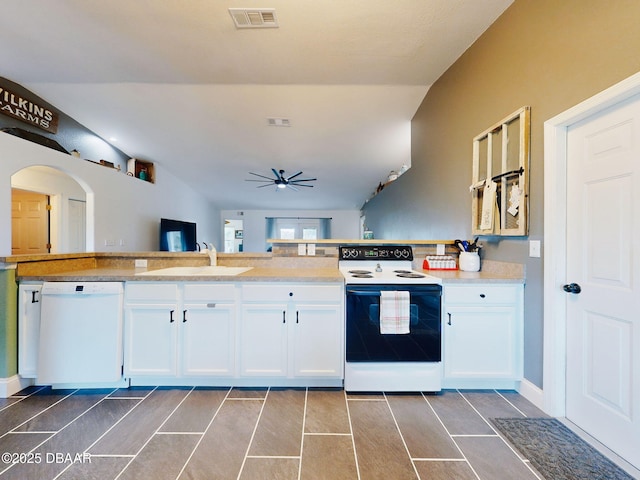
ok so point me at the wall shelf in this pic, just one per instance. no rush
(141, 169)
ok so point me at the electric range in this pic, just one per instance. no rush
(377, 361)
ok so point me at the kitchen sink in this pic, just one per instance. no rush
(196, 271)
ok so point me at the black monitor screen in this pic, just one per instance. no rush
(177, 236)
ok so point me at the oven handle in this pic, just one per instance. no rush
(360, 292)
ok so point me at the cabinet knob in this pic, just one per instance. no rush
(482, 295)
(291, 294)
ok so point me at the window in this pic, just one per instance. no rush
(291, 228)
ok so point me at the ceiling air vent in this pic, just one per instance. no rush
(278, 122)
(254, 18)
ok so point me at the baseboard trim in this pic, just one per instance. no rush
(532, 392)
(11, 385)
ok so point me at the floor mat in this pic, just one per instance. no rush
(556, 452)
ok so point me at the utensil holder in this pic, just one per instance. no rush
(469, 261)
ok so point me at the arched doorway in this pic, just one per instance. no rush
(50, 212)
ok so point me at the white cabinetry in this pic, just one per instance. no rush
(208, 330)
(292, 331)
(178, 330)
(482, 335)
(28, 328)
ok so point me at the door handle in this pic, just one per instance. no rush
(297, 316)
(171, 320)
(572, 288)
(284, 316)
(449, 322)
(33, 296)
(184, 316)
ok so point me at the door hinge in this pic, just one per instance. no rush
(48, 246)
(49, 207)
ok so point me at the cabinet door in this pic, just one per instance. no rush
(208, 340)
(263, 350)
(151, 340)
(318, 341)
(480, 342)
(28, 330)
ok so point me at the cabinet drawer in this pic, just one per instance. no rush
(481, 294)
(156, 292)
(296, 293)
(209, 292)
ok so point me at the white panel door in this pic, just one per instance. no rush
(603, 259)
(77, 225)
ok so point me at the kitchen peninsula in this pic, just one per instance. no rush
(280, 323)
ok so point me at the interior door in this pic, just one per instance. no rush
(77, 225)
(603, 273)
(29, 222)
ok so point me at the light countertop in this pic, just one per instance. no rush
(253, 275)
(119, 267)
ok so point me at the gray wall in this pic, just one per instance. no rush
(70, 134)
(548, 54)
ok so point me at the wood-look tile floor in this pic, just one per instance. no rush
(251, 434)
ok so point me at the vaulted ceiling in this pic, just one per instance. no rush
(177, 83)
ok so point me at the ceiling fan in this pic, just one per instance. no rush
(281, 182)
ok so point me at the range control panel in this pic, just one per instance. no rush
(372, 252)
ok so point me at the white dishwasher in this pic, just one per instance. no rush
(80, 333)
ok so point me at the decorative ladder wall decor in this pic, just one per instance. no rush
(500, 188)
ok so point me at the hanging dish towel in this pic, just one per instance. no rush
(394, 312)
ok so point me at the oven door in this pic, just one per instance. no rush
(365, 343)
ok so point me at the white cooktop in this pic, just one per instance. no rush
(388, 274)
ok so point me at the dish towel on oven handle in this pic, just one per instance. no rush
(394, 312)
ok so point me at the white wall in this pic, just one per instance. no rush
(126, 210)
(344, 223)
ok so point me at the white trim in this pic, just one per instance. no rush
(555, 204)
(11, 385)
(532, 392)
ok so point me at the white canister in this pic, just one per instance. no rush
(469, 261)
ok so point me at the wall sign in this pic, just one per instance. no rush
(25, 110)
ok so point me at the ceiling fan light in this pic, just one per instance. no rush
(280, 181)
